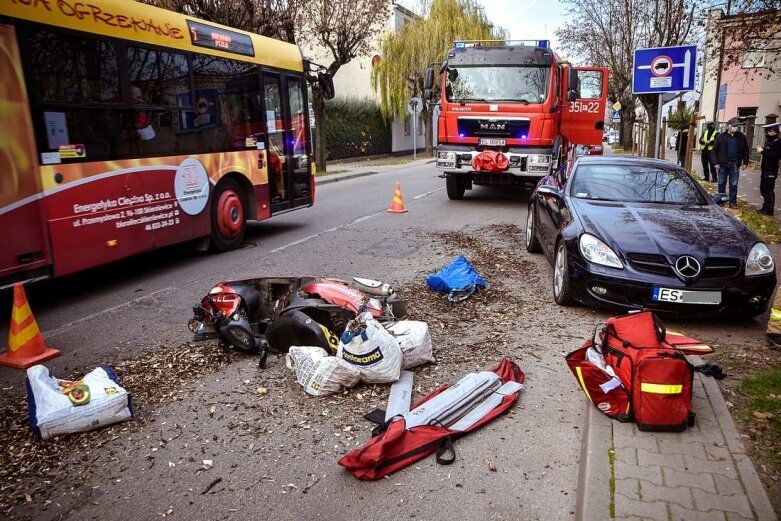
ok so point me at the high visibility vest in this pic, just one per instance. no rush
(708, 139)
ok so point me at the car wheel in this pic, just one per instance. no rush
(228, 216)
(532, 243)
(455, 187)
(562, 291)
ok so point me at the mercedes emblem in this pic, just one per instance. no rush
(687, 267)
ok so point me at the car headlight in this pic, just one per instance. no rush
(759, 261)
(446, 156)
(596, 251)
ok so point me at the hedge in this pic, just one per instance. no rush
(354, 127)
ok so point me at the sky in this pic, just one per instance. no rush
(525, 20)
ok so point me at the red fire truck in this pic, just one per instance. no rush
(511, 110)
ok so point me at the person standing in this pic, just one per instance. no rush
(706, 146)
(730, 153)
(771, 153)
(681, 142)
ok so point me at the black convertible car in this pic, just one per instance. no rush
(629, 233)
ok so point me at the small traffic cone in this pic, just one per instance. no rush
(25, 341)
(397, 206)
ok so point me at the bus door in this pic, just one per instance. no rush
(299, 139)
(25, 246)
(277, 146)
(583, 120)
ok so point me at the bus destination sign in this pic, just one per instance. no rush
(220, 39)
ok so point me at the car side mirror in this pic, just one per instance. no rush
(549, 190)
(326, 82)
(572, 95)
(428, 94)
(428, 81)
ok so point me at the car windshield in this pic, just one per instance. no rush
(510, 84)
(635, 183)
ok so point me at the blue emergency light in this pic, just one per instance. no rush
(543, 44)
(460, 45)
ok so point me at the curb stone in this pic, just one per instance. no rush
(594, 494)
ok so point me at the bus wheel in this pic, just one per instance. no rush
(229, 216)
(455, 187)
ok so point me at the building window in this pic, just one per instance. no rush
(754, 55)
(420, 125)
(407, 125)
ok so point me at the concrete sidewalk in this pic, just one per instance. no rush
(351, 169)
(703, 473)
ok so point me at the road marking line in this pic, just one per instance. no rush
(427, 193)
(66, 327)
(344, 226)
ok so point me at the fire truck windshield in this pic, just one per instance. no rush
(492, 83)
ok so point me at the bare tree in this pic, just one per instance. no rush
(347, 28)
(606, 33)
(745, 27)
(273, 18)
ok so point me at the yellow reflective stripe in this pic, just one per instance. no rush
(661, 388)
(582, 383)
(775, 314)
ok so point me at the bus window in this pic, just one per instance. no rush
(277, 150)
(159, 78)
(300, 137)
(72, 69)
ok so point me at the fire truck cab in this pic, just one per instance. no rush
(511, 110)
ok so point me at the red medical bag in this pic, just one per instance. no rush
(656, 378)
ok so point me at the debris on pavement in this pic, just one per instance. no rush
(459, 279)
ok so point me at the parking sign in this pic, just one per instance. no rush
(664, 69)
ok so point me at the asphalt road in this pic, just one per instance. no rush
(281, 469)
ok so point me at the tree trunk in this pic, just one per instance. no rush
(650, 103)
(428, 118)
(318, 105)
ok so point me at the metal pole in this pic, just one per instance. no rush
(658, 126)
(414, 135)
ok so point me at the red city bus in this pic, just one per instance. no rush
(125, 128)
(518, 100)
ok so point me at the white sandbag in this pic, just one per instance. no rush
(95, 401)
(319, 373)
(371, 349)
(415, 342)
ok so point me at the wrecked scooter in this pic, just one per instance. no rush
(270, 314)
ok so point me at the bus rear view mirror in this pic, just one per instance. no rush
(326, 82)
(428, 94)
(428, 82)
(572, 95)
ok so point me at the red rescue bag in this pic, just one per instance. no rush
(654, 373)
(397, 447)
(490, 161)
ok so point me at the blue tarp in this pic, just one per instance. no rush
(458, 278)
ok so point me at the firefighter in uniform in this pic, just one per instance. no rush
(706, 145)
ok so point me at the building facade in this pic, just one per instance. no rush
(749, 89)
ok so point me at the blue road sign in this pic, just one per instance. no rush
(722, 97)
(664, 69)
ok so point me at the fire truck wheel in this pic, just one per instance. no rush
(532, 243)
(228, 215)
(455, 187)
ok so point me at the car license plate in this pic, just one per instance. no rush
(685, 296)
(492, 142)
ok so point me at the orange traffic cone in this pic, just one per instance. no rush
(25, 341)
(397, 206)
